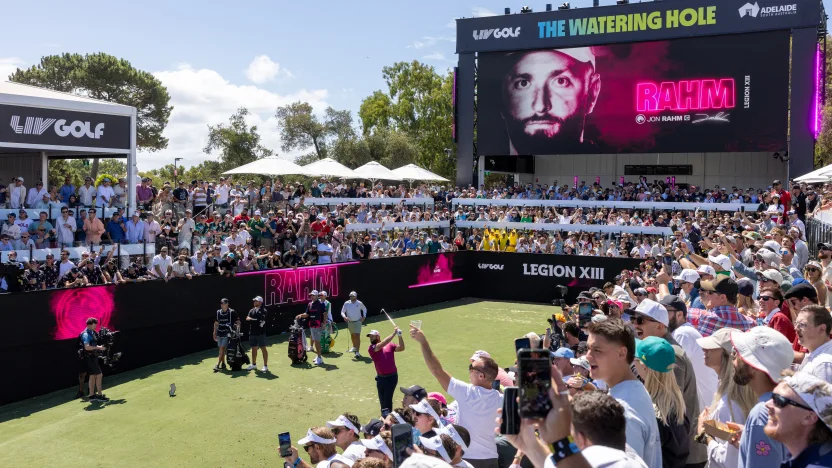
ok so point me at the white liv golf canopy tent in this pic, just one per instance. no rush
(329, 167)
(375, 171)
(414, 172)
(38, 124)
(818, 175)
(269, 166)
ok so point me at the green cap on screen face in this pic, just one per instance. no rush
(655, 353)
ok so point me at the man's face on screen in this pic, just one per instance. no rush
(546, 96)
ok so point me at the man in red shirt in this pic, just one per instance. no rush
(242, 217)
(771, 299)
(382, 354)
(320, 228)
(785, 200)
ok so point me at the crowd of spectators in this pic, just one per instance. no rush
(231, 227)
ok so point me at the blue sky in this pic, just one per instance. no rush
(217, 56)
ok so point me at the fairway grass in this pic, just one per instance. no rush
(232, 419)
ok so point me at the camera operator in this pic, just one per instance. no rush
(89, 339)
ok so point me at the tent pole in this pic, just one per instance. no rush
(132, 169)
(44, 169)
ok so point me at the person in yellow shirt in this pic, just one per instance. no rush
(486, 239)
(512, 241)
(502, 241)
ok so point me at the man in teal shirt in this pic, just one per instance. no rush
(433, 244)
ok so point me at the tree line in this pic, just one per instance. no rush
(409, 122)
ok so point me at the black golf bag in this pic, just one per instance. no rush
(236, 355)
(297, 350)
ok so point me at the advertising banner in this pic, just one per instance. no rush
(533, 277)
(636, 22)
(56, 127)
(703, 94)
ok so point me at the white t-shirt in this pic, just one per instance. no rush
(105, 194)
(599, 456)
(182, 269)
(324, 248)
(222, 194)
(706, 378)
(163, 264)
(355, 451)
(642, 428)
(478, 412)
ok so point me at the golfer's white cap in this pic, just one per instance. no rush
(353, 294)
(258, 299)
(312, 437)
(323, 293)
(373, 333)
(377, 443)
(435, 443)
(314, 292)
(342, 421)
(581, 54)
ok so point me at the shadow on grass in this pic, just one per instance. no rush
(266, 376)
(363, 359)
(328, 367)
(99, 405)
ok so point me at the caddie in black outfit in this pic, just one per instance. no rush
(256, 319)
(226, 318)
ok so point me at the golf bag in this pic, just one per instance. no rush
(328, 336)
(297, 349)
(236, 355)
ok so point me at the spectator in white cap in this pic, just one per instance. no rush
(346, 428)
(800, 417)
(256, 319)
(319, 443)
(428, 413)
(760, 356)
(17, 194)
(686, 281)
(538, 114)
(706, 272)
(449, 445)
(354, 313)
(652, 319)
(380, 447)
(478, 401)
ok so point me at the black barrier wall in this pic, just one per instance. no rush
(158, 321)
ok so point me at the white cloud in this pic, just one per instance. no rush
(9, 65)
(437, 56)
(430, 41)
(202, 97)
(451, 24)
(479, 12)
(263, 69)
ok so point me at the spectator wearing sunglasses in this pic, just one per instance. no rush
(771, 299)
(66, 226)
(319, 444)
(787, 263)
(346, 429)
(801, 419)
(720, 298)
(760, 356)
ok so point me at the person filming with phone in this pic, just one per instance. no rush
(478, 401)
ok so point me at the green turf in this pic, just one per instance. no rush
(233, 419)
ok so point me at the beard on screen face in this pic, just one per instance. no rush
(546, 134)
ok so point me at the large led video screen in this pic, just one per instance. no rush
(702, 94)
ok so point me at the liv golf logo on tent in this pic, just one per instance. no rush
(38, 125)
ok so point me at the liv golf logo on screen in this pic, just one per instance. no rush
(38, 125)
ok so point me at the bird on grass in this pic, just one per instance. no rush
(172, 391)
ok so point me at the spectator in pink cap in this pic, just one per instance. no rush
(450, 416)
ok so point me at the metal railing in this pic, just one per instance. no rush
(817, 231)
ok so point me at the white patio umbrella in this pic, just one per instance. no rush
(375, 171)
(271, 166)
(413, 172)
(329, 167)
(818, 175)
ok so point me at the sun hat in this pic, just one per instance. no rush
(654, 310)
(720, 339)
(816, 393)
(764, 349)
(312, 437)
(377, 443)
(342, 421)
